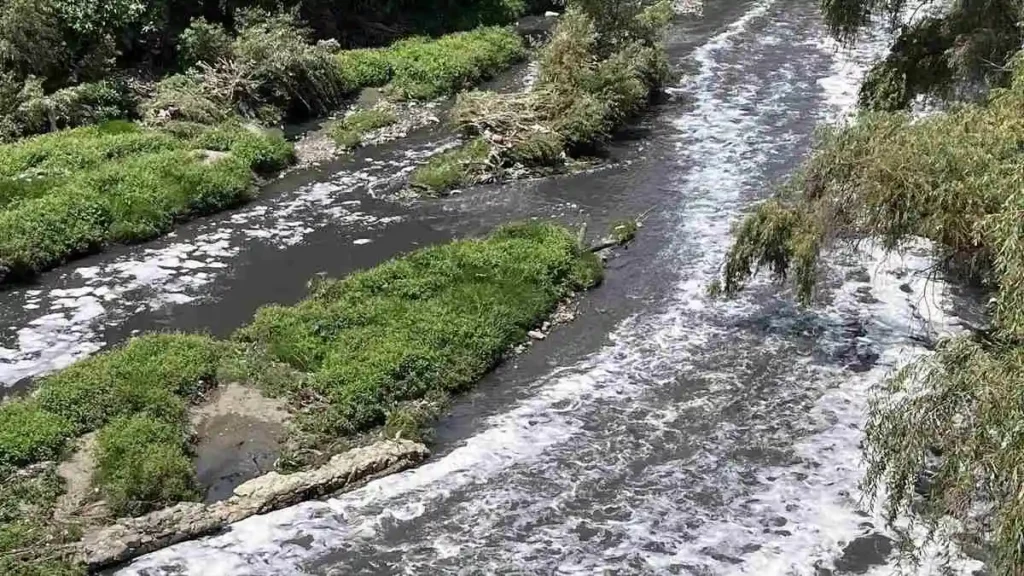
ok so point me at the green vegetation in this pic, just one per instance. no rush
(142, 464)
(431, 322)
(957, 415)
(31, 543)
(350, 130)
(957, 52)
(424, 68)
(71, 192)
(383, 348)
(603, 65)
(461, 166)
(67, 63)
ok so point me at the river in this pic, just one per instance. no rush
(663, 432)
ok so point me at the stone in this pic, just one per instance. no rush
(550, 14)
(536, 335)
(130, 538)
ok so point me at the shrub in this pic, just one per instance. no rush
(203, 41)
(594, 75)
(184, 97)
(460, 166)
(349, 131)
(953, 418)
(31, 544)
(276, 73)
(142, 465)
(429, 323)
(29, 434)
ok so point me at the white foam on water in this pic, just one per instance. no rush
(517, 495)
(64, 324)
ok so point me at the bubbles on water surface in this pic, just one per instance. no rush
(706, 437)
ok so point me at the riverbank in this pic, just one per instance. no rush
(422, 326)
(193, 155)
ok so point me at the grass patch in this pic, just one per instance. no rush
(424, 68)
(30, 434)
(431, 322)
(349, 131)
(601, 68)
(157, 374)
(142, 464)
(30, 543)
(71, 192)
(455, 168)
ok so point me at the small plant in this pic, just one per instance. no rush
(624, 231)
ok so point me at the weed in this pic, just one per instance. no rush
(460, 166)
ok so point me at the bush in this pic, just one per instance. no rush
(154, 375)
(29, 434)
(276, 73)
(429, 323)
(593, 77)
(29, 110)
(203, 41)
(142, 465)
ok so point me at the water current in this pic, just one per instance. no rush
(672, 434)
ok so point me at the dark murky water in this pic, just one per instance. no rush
(662, 433)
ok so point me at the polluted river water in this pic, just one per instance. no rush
(663, 432)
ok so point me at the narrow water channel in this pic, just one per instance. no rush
(661, 433)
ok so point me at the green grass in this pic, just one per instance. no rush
(72, 192)
(30, 434)
(452, 169)
(425, 68)
(30, 543)
(383, 347)
(157, 375)
(432, 322)
(349, 131)
(142, 464)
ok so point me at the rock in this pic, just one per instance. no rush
(536, 335)
(129, 538)
(550, 14)
(905, 287)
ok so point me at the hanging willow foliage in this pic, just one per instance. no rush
(956, 178)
